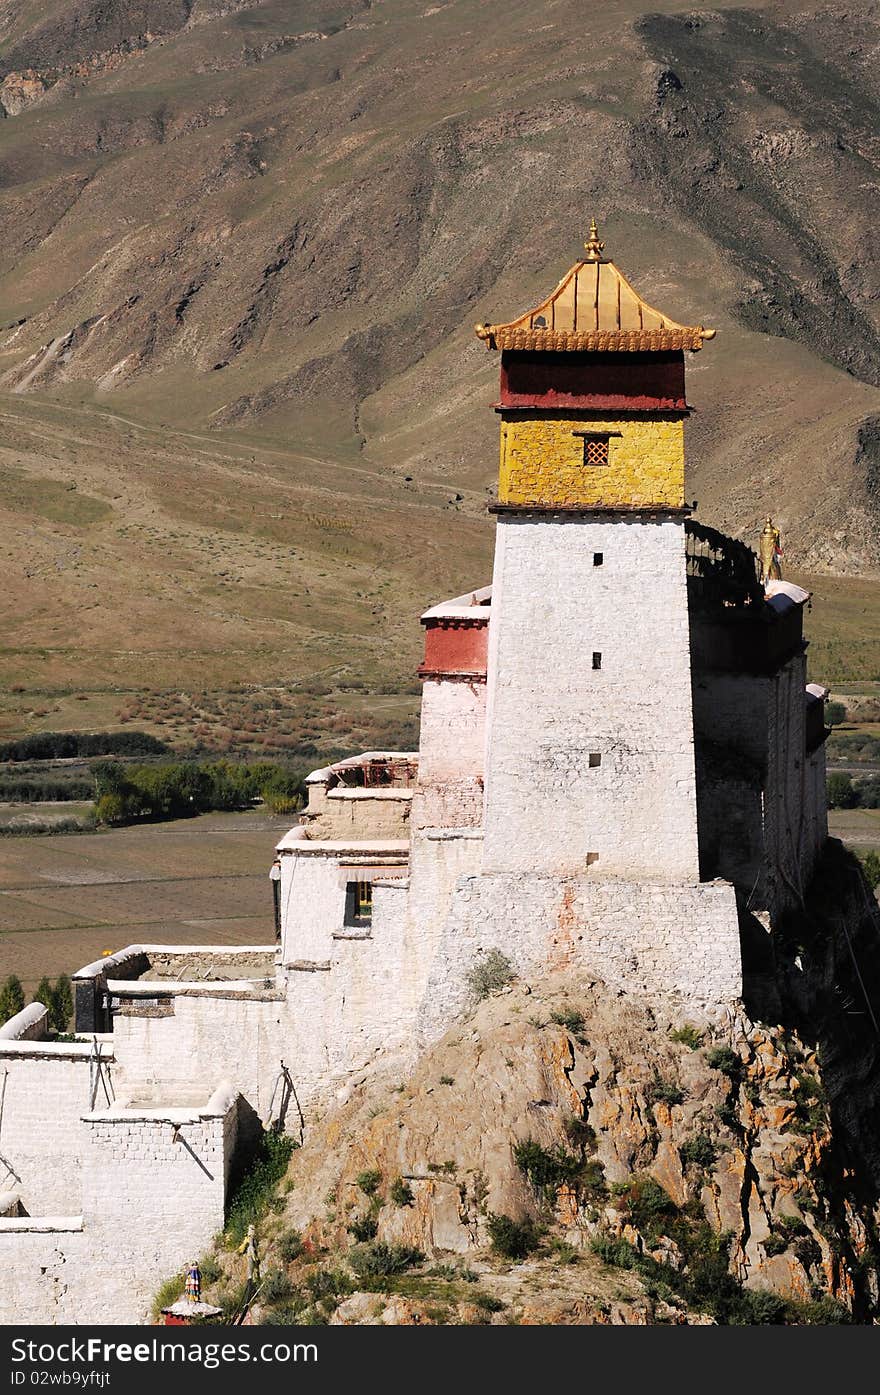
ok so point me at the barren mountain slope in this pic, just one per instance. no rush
(273, 227)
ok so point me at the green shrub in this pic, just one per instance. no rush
(841, 792)
(649, 1206)
(699, 1150)
(759, 1308)
(546, 1169)
(580, 1134)
(775, 1244)
(11, 998)
(618, 1253)
(369, 1181)
(569, 1018)
(250, 1197)
(328, 1283)
(276, 1288)
(166, 1294)
(290, 1245)
(401, 1192)
(513, 1239)
(725, 1060)
(489, 1303)
(446, 1080)
(231, 1300)
(364, 1228)
(728, 1116)
(871, 867)
(687, 1036)
(211, 1269)
(378, 1260)
(490, 972)
(809, 1105)
(285, 1315)
(665, 1090)
(824, 1311)
(591, 1181)
(835, 713)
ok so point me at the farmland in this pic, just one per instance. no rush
(64, 899)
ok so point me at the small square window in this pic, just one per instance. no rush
(595, 759)
(591, 858)
(597, 659)
(596, 451)
(598, 559)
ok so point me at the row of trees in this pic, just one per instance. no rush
(37, 789)
(845, 793)
(56, 997)
(176, 789)
(65, 745)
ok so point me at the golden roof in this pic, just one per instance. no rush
(594, 308)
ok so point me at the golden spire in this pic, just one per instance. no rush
(593, 247)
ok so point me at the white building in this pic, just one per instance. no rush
(619, 765)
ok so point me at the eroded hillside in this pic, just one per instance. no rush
(244, 248)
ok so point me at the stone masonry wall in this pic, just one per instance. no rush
(42, 1137)
(542, 462)
(658, 940)
(549, 709)
(153, 1193)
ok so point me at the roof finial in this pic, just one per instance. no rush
(593, 247)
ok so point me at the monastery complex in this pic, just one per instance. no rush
(621, 768)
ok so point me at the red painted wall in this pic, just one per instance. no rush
(625, 382)
(456, 646)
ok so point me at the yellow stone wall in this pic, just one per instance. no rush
(542, 462)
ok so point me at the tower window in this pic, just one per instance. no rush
(358, 903)
(595, 759)
(598, 559)
(595, 446)
(597, 659)
(596, 450)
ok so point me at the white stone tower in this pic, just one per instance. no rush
(590, 744)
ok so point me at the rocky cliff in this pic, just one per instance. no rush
(568, 1154)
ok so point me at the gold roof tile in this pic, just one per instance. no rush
(595, 309)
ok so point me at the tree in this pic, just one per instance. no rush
(45, 994)
(62, 1006)
(871, 868)
(842, 793)
(835, 713)
(11, 998)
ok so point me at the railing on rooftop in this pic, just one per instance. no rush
(721, 571)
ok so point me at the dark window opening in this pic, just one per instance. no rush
(358, 903)
(591, 858)
(598, 559)
(595, 759)
(597, 659)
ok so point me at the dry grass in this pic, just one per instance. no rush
(64, 900)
